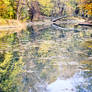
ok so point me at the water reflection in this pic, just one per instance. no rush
(10, 63)
(46, 59)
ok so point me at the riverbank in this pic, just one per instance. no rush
(87, 22)
(11, 23)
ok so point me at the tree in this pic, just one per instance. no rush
(5, 9)
(13, 9)
(86, 7)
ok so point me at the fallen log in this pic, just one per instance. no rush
(85, 24)
(54, 20)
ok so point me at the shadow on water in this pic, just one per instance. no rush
(49, 59)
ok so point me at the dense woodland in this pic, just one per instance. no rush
(40, 9)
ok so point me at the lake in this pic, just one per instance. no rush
(54, 58)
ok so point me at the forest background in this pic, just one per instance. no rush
(34, 10)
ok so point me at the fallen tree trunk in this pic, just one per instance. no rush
(87, 24)
(54, 20)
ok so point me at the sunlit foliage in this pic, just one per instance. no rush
(5, 8)
(86, 6)
(46, 6)
(18, 9)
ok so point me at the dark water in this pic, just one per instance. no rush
(56, 58)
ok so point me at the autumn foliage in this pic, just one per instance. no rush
(19, 9)
(86, 6)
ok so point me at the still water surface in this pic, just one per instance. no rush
(46, 59)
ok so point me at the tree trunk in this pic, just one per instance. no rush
(54, 20)
(18, 10)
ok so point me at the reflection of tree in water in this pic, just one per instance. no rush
(32, 33)
(43, 56)
(47, 53)
(86, 68)
(84, 81)
(10, 64)
(38, 71)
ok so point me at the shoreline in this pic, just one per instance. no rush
(15, 24)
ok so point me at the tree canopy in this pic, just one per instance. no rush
(19, 9)
(86, 6)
